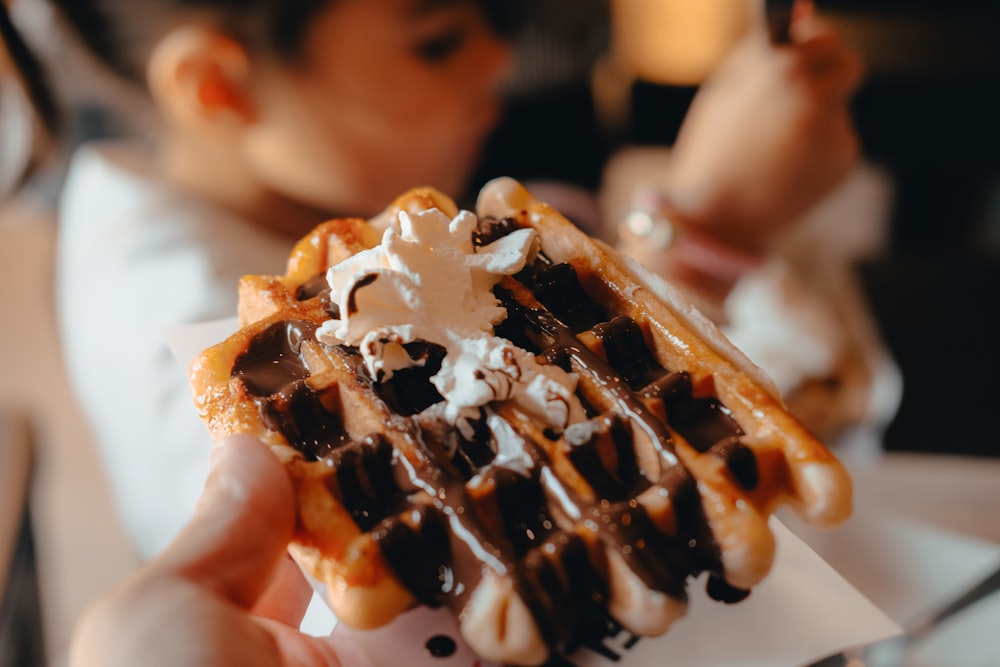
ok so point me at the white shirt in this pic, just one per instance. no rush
(136, 256)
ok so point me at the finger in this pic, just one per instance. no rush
(779, 15)
(775, 18)
(764, 20)
(757, 15)
(837, 72)
(803, 9)
(241, 528)
(817, 34)
(829, 60)
(287, 597)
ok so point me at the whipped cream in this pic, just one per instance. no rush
(426, 281)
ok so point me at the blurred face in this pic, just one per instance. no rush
(387, 95)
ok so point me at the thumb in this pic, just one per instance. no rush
(241, 528)
(761, 14)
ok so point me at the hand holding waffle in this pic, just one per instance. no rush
(583, 445)
(253, 609)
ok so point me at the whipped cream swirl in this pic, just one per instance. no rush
(427, 282)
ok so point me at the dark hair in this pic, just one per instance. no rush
(32, 74)
(120, 33)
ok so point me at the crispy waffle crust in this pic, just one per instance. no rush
(685, 452)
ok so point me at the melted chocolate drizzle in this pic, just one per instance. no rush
(448, 512)
(312, 288)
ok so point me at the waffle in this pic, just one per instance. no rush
(670, 454)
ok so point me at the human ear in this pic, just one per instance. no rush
(200, 78)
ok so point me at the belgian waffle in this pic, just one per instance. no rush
(683, 451)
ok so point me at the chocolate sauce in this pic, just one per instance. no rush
(272, 359)
(312, 288)
(489, 230)
(440, 646)
(740, 460)
(272, 369)
(445, 511)
(298, 413)
(665, 563)
(567, 585)
(352, 297)
(364, 481)
(702, 421)
(719, 589)
(416, 545)
(558, 288)
(475, 451)
(706, 425)
(627, 352)
(409, 390)
(585, 442)
(318, 287)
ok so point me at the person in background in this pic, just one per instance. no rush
(270, 116)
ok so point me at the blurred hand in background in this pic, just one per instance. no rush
(768, 134)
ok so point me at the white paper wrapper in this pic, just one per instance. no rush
(802, 611)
